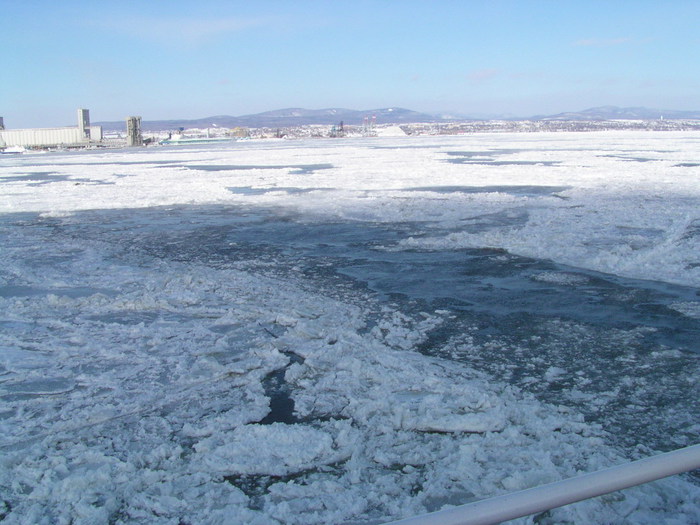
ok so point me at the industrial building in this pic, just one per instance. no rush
(133, 131)
(81, 135)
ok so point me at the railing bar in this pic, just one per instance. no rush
(559, 493)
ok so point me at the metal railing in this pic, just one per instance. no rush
(560, 493)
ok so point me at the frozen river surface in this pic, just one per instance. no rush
(347, 332)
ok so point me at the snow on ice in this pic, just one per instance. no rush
(144, 379)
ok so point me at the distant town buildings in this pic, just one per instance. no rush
(240, 132)
(85, 135)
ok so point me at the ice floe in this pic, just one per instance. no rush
(138, 385)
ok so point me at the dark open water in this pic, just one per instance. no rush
(612, 348)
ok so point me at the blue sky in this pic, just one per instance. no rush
(199, 58)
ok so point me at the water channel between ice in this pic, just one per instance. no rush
(618, 350)
(343, 332)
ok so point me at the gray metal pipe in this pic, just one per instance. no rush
(560, 493)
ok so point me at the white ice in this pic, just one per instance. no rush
(132, 388)
(630, 206)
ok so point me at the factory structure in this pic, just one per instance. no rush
(81, 135)
(133, 131)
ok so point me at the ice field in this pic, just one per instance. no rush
(347, 331)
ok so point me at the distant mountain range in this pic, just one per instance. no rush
(291, 117)
(285, 118)
(617, 113)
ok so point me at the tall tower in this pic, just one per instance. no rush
(84, 123)
(133, 131)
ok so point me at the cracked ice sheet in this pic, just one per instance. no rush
(145, 402)
(132, 388)
(613, 213)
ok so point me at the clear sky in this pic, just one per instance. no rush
(199, 58)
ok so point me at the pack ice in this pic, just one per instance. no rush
(167, 357)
